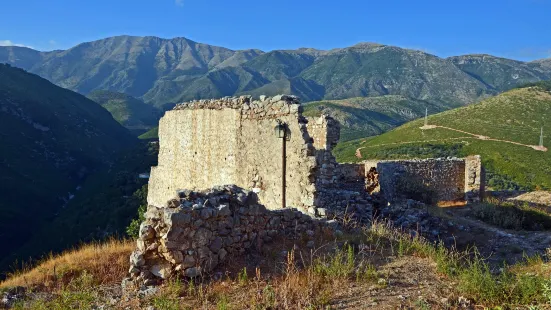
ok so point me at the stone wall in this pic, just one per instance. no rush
(232, 141)
(325, 133)
(192, 234)
(474, 179)
(451, 179)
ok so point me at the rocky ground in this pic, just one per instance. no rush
(457, 227)
(397, 280)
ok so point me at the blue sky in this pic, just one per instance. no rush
(518, 29)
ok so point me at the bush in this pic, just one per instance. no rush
(510, 216)
(133, 230)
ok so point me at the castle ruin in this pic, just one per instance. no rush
(234, 173)
(235, 141)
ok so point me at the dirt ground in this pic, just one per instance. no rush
(542, 198)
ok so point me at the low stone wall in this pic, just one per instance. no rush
(193, 234)
(451, 179)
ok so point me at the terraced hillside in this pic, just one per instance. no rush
(515, 117)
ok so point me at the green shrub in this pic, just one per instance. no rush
(133, 230)
(511, 216)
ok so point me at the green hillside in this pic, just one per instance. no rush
(501, 74)
(51, 140)
(130, 112)
(153, 133)
(370, 116)
(516, 116)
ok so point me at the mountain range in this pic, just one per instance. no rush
(162, 72)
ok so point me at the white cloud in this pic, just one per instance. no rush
(179, 2)
(52, 42)
(10, 43)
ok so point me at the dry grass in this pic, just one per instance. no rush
(106, 262)
(451, 203)
(364, 270)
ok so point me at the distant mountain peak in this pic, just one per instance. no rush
(367, 45)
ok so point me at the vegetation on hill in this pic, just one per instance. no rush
(174, 70)
(104, 206)
(542, 85)
(515, 116)
(130, 112)
(370, 116)
(501, 74)
(52, 140)
(151, 134)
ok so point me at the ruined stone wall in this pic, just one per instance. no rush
(232, 141)
(325, 133)
(191, 235)
(451, 179)
(474, 178)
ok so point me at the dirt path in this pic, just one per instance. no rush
(470, 136)
(481, 137)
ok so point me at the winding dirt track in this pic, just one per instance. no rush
(470, 136)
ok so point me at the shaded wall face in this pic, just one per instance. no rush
(202, 148)
(445, 177)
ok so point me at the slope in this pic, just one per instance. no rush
(130, 112)
(516, 117)
(370, 69)
(52, 139)
(370, 116)
(501, 74)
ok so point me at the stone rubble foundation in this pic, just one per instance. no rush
(191, 235)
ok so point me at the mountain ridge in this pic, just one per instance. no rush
(166, 71)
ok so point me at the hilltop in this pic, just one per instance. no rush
(370, 116)
(130, 112)
(52, 140)
(167, 71)
(515, 116)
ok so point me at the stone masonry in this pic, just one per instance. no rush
(192, 234)
(452, 179)
(232, 141)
